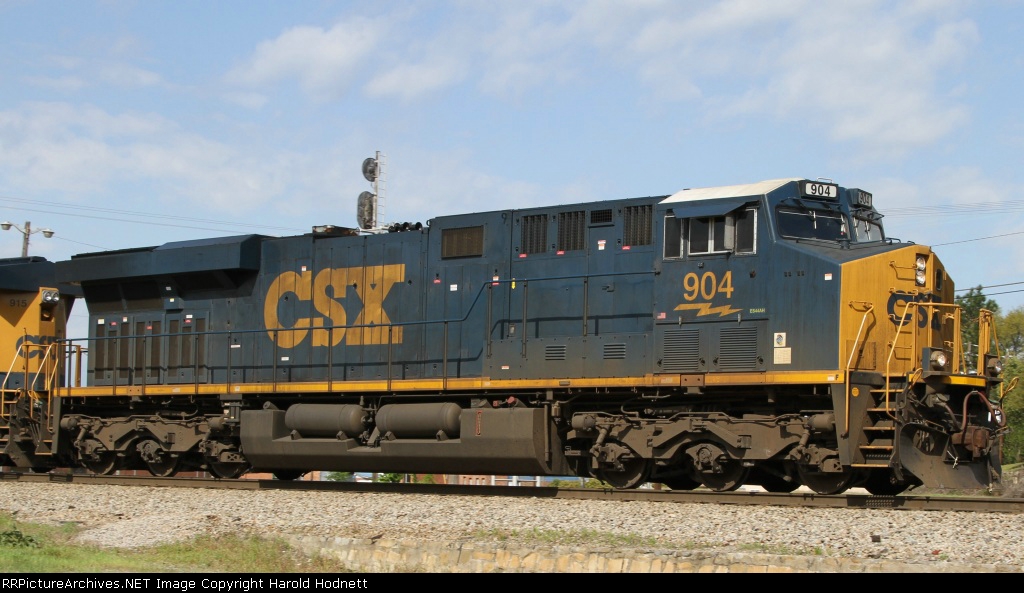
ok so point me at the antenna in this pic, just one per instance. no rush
(370, 205)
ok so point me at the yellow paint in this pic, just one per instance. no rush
(435, 385)
(706, 309)
(28, 330)
(884, 283)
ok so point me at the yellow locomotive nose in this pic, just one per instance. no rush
(895, 304)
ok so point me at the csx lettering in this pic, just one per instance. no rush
(34, 346)
(707, 286)
(898, 305)
(329, 292)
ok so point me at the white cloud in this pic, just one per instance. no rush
(409, 81)
(64, 84)
(125, 75)
(322, 60)
(85, 150)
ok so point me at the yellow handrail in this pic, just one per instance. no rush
(849, 362)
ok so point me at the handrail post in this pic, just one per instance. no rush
(195, 361)
(526, 295)
(444, 358)
(490, 307)
(586, 303)
(390, 329)
(273, 378)
(330, 359)
(227, 379)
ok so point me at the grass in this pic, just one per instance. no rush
(37, 548)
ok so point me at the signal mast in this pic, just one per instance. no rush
(370, 204)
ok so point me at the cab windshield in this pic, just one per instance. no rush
(865, 230)
(812, 223)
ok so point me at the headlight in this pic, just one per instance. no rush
(939, 360)
(921, 276)
(51, 297)
(994, 367)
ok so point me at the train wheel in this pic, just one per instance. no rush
(733, 475)
(681, 482)
(773, 477)
(634, 472)
(227, 470)
(102, 464)
(777, 484)
(160, 462)
(826, 482)
(288, 474)
(884, 483)
(96, 458)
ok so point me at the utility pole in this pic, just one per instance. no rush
(25, 233)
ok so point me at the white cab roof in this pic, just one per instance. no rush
(727, 191)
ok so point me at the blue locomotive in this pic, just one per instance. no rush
(766, 333)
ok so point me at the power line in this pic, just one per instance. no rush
(989, 286)
(1004, 292)
(978, 239)
(135, 214)
(978, 208)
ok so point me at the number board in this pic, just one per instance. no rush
(817, 189)
(861, 198)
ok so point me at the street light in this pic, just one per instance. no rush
(26, 232)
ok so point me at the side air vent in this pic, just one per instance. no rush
(614, 351)
(737, 349)
(681, 351)
(554, 352)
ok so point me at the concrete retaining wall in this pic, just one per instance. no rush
(392, 556)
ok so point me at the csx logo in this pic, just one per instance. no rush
(34, 346)
(898, 306)
(334, 293)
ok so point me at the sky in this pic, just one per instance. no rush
(129, 123)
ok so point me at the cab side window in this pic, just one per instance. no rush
(734, 232)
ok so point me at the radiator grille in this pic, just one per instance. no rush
(637, 225)
(600, 216)
(462, 242)
(535, 233)
(571, 227)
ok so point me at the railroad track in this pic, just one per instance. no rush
(931, 502)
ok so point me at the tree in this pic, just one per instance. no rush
(390, 478)
(971, 305)
(1010, 332)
